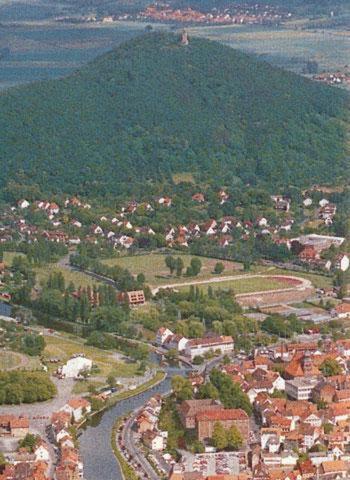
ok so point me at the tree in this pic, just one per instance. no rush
(171, 263)
(208, 391)
(181, 387)
(330, 367)
(141, 278)
(29, 442)
(234, 438)
(111, 380)
(219, 437)
(196, 266)
(219, 268)
(2, 460)
(179, 266)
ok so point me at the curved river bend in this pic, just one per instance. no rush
(95, 440)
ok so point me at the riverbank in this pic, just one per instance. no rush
(153, 382)
(128, 473)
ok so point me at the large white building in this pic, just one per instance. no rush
(75, 366)
(301, 388)
(200, 346)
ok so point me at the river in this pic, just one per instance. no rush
(95, 440)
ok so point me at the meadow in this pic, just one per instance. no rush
(156, 273)
(108, 362)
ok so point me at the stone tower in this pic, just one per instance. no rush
(184, 38)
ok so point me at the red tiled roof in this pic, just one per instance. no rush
(224, 414)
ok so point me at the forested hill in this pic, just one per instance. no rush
(153, 107)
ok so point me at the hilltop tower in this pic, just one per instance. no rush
(184, 38)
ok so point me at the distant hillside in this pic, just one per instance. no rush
(153, 107)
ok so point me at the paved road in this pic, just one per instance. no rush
(129, 442)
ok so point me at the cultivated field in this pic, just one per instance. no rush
(49, 50)
(288, 48)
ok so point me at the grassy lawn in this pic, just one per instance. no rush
(154, 268)
(245, 285)
(9, 360)
(83, 386)
(9, 256)
(64, 347)
(78, 278)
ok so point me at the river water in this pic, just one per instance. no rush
(95, 440)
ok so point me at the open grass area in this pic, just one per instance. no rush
(64, 347)
(9, 360)
(183, 177)
(83, 386)
(9, 256)
(78, 278)
(244, 285)
(154, 268)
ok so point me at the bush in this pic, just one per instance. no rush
(26, 387)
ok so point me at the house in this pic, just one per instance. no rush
(154, 441)
(178, 342)
(323, 202)
(342, 310)
(74, 366)
(53, 208)
(301, 388)
(342, 262)
(281, 203)
(144, 423)
(201, 346)
(162, 335)
(223, 197)
(262, 222)
(41, 452)
(301, 365)
(133, 298)
(333, 469)
(126, 241)
(96, 230)
(206, 420)
(22, 204)
(77, 408)
(307, 202)
(189, 409)
(209, 228)
(165, 201)
(11, 425)
(198, 197)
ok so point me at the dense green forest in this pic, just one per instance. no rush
(153, 107)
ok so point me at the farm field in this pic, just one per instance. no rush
(156, 273)
(64, 346)
(45, 50)
(285, 47)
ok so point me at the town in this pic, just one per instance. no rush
(246, 310)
